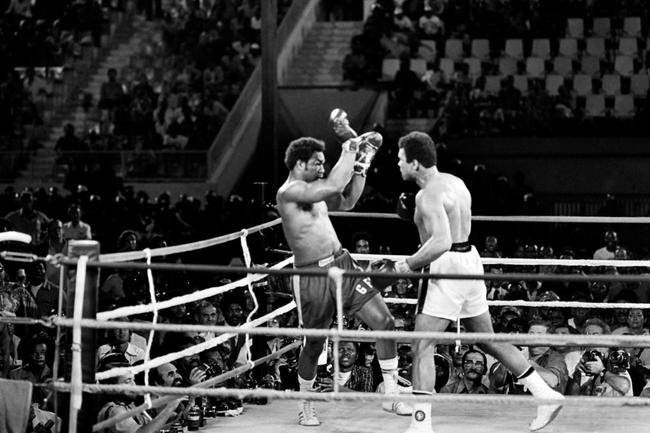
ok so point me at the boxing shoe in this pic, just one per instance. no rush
(547, 412)
(397, 407)
(307, 414)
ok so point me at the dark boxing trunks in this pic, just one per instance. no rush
(316, 296)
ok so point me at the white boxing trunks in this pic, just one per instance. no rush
(454, 299)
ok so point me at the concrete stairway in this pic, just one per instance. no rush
(320, 59)
(41, 165)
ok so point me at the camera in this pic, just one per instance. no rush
(593, 355)
(618, 360)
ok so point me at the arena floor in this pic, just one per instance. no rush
(357, 417)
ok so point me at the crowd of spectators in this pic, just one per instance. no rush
(176, 92)
(503, 68)
(39, 40)
(131, 221)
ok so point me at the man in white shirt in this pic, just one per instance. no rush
(608, 251)
(76, 229)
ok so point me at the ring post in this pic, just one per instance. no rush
(88, 306)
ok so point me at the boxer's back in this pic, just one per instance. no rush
(457, 202)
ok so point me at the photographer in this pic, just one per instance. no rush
(601, 372)
(352, 377)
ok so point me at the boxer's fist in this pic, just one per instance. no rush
(368, 147)
(380, 282)
(406, 206)
(341, 125)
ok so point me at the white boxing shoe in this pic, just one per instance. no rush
(547, 412)
(397, 407)
(307, 414)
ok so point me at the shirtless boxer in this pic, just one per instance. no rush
(443, 217)
(303, 202)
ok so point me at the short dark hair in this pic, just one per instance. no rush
(418, 145)
(302, 149)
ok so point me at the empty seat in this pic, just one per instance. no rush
(535, 67)
(595, 47)
(481, 49)
(632, 27)
(507, 66)
(492, 84)
(575, 28)
(611, 84)
(389, 68)
(602, 26)
(419, 66)
(627, 46)
(624, 65)
(595, 106)
(447, 66)
(563, 66)
(590, 65)
(639, 85)
(521, 82)
(515, 48)
(624, 106)
(582, 84)
(454, 49)
(427, 50)
(568, 47)
(553, 83)
(474, 66)
(541, 48)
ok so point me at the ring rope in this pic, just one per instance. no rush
(183, 248)
(368, 335)
(193, 349)
(542, 304)
(525, 262)
(193, 297)
(514, 218)
(311, 271)
(496, 399)
(205, 384)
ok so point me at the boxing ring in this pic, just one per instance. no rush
(338, 411)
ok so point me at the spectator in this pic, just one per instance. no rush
(355, 64)
(75, 229)
(491, 247)
(601, 372)
(405, 85)
(20, 8)
(361, 243)
(123, 402)
(474, 368)
(430, 26)
(111, 96)
(35, 369)
(233, 307)
(27, 219)
(352, 377)
(545, 360)
(119, 341)
(207, 314)
(608, 251)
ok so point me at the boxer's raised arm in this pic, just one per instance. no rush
(324, 189)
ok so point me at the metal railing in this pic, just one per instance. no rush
(132, 165)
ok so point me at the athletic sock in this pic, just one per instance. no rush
(389, 373)
(535, 384)
(421, 410)
(306, 385)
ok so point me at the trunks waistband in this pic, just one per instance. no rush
(324, 261)
(461, 247)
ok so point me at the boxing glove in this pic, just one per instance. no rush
(368, 147)
(406, 206)
(341, 125)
